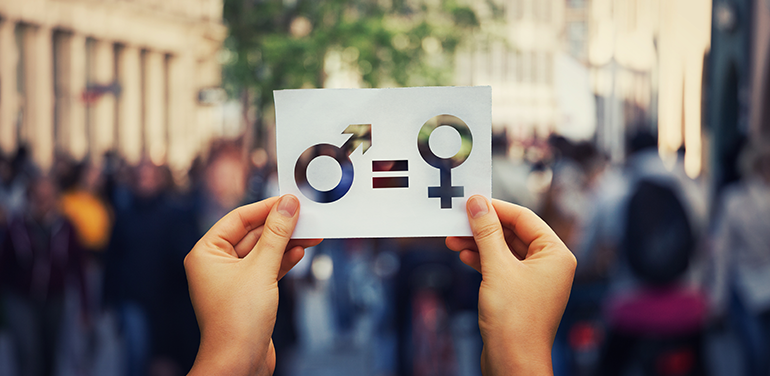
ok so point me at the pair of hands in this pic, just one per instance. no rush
(234, 269)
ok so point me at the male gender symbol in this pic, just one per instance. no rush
(445, 191)
(361, 135)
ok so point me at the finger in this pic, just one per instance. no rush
(234, 226)
(458, 244)
(304, 243)
(276, 234)
(518, 248)
(525, 224)
(290, 259)
(471, 259)
(250, 241)
(487, 231)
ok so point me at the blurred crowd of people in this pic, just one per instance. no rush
(669, 268)
(92, 279)
(91, 260)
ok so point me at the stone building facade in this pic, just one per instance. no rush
(515, 55)
(87, 76)
(647, 66)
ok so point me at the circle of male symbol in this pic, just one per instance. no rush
(445, 191)
(346, 180)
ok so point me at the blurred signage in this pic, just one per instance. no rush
(211, 96)
(93, 92)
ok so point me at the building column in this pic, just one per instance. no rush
(102, 125)
(155, 106)
(9, 107)
(693, 77)
(130, 104)
(185, 138)
(39, 94)
(209, 116)
(77, 129)
(70, 84)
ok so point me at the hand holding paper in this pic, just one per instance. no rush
(527, 275)
(233, 275)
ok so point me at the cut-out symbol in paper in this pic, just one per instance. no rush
(361, 135)
(445, 191)
(390, 181)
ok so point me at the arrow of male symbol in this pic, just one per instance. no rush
(361, 135)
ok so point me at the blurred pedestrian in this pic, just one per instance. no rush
(641, 240)
(509, 175)
(13, 187)
(741, 251)
(81, 202)
(575, 167)
(118, 180)
(566, 201)
(145, 281)
(39, 257)
(259, 172)
(224, 185)
(5, 176)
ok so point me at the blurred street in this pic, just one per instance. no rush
(320, 353)
(639, 131)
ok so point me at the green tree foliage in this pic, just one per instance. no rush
(284, 44)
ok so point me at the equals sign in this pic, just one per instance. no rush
(390, 181)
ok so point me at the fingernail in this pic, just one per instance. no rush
(477, 206)
(288, 205)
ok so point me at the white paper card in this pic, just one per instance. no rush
(384, 162)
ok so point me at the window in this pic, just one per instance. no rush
(19, 38)
(517, 8)
(576, 35)
(511, 64)
(548, 68)
(519, 66)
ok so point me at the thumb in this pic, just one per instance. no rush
(487, 231)
(277, 232)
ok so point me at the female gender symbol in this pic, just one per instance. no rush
(445, 191)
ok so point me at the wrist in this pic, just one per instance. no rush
(503, 358)
(228, 358)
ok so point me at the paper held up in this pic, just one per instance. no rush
(396, 162)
